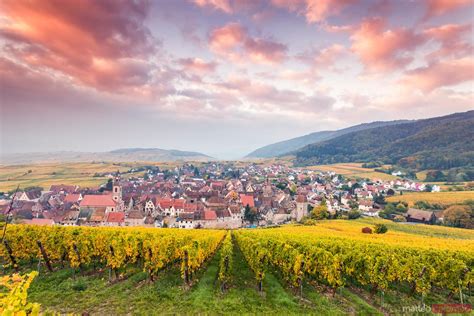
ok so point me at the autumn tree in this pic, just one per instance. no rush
(250, 215)
(320, 211)
(459, 216)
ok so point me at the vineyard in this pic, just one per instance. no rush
(442, 198)
(327, 268)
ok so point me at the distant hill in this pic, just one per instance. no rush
(119, 155)
(436, 143)
(286, 146)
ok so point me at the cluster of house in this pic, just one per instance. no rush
(220, 198)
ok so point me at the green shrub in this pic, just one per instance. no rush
(79, 286)
(380, 229)
(353, 214)
(308, 221)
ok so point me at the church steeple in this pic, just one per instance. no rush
(116, 191)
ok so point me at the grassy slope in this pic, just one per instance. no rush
(353, 170)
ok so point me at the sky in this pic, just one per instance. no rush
(224, 77)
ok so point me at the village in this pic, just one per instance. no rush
(214, 195)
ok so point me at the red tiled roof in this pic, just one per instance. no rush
(97, 201)
(189, 207)
(62, 187)
(167, 203)
(116, 217)
(40, 222)
(301, 199)
(178, 203)
(209, 215)
(72, 198)
(164, 203)
(247, 200)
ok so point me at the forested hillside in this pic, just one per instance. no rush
(289, 145)
(437, 143)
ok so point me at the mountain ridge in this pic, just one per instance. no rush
(434, 143)
(116, 155)
(292, 144)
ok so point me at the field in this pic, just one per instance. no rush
(443, 198)
(271, 271)
(82, 174)
(353, 170)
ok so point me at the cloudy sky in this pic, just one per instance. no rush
(224, 77)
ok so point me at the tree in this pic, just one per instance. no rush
(380, 229)
(459, 216)
(109, 185)
(249, 214)
(401, 208)
(435, 176)
(379, 199)
(353, 214)
(388, 211)
(320, 211)
(293, 189)
(353, 204)
(399, 218)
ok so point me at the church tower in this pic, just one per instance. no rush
(301, 207)
(117, 192)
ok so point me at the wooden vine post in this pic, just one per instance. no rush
(150, 253)
(300, 278)
(260, 277)
(63, 257)
(10, 254)
(74, 246)
(260, 282)
(186, 267)
(413, 288)
(45, 256)
(111, 270)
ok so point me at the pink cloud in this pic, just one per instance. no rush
(440, 74)
(314, 10)
(382, 49)
(222, 5)
(257, 8)
(266, 97)
(450, 36)
(265, 51)
(233, 42)
(324, 58)
(439, 7)
(197, 65)
(227, 37)
(100, 44)
(336, 28)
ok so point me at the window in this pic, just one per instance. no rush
(116, 189)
